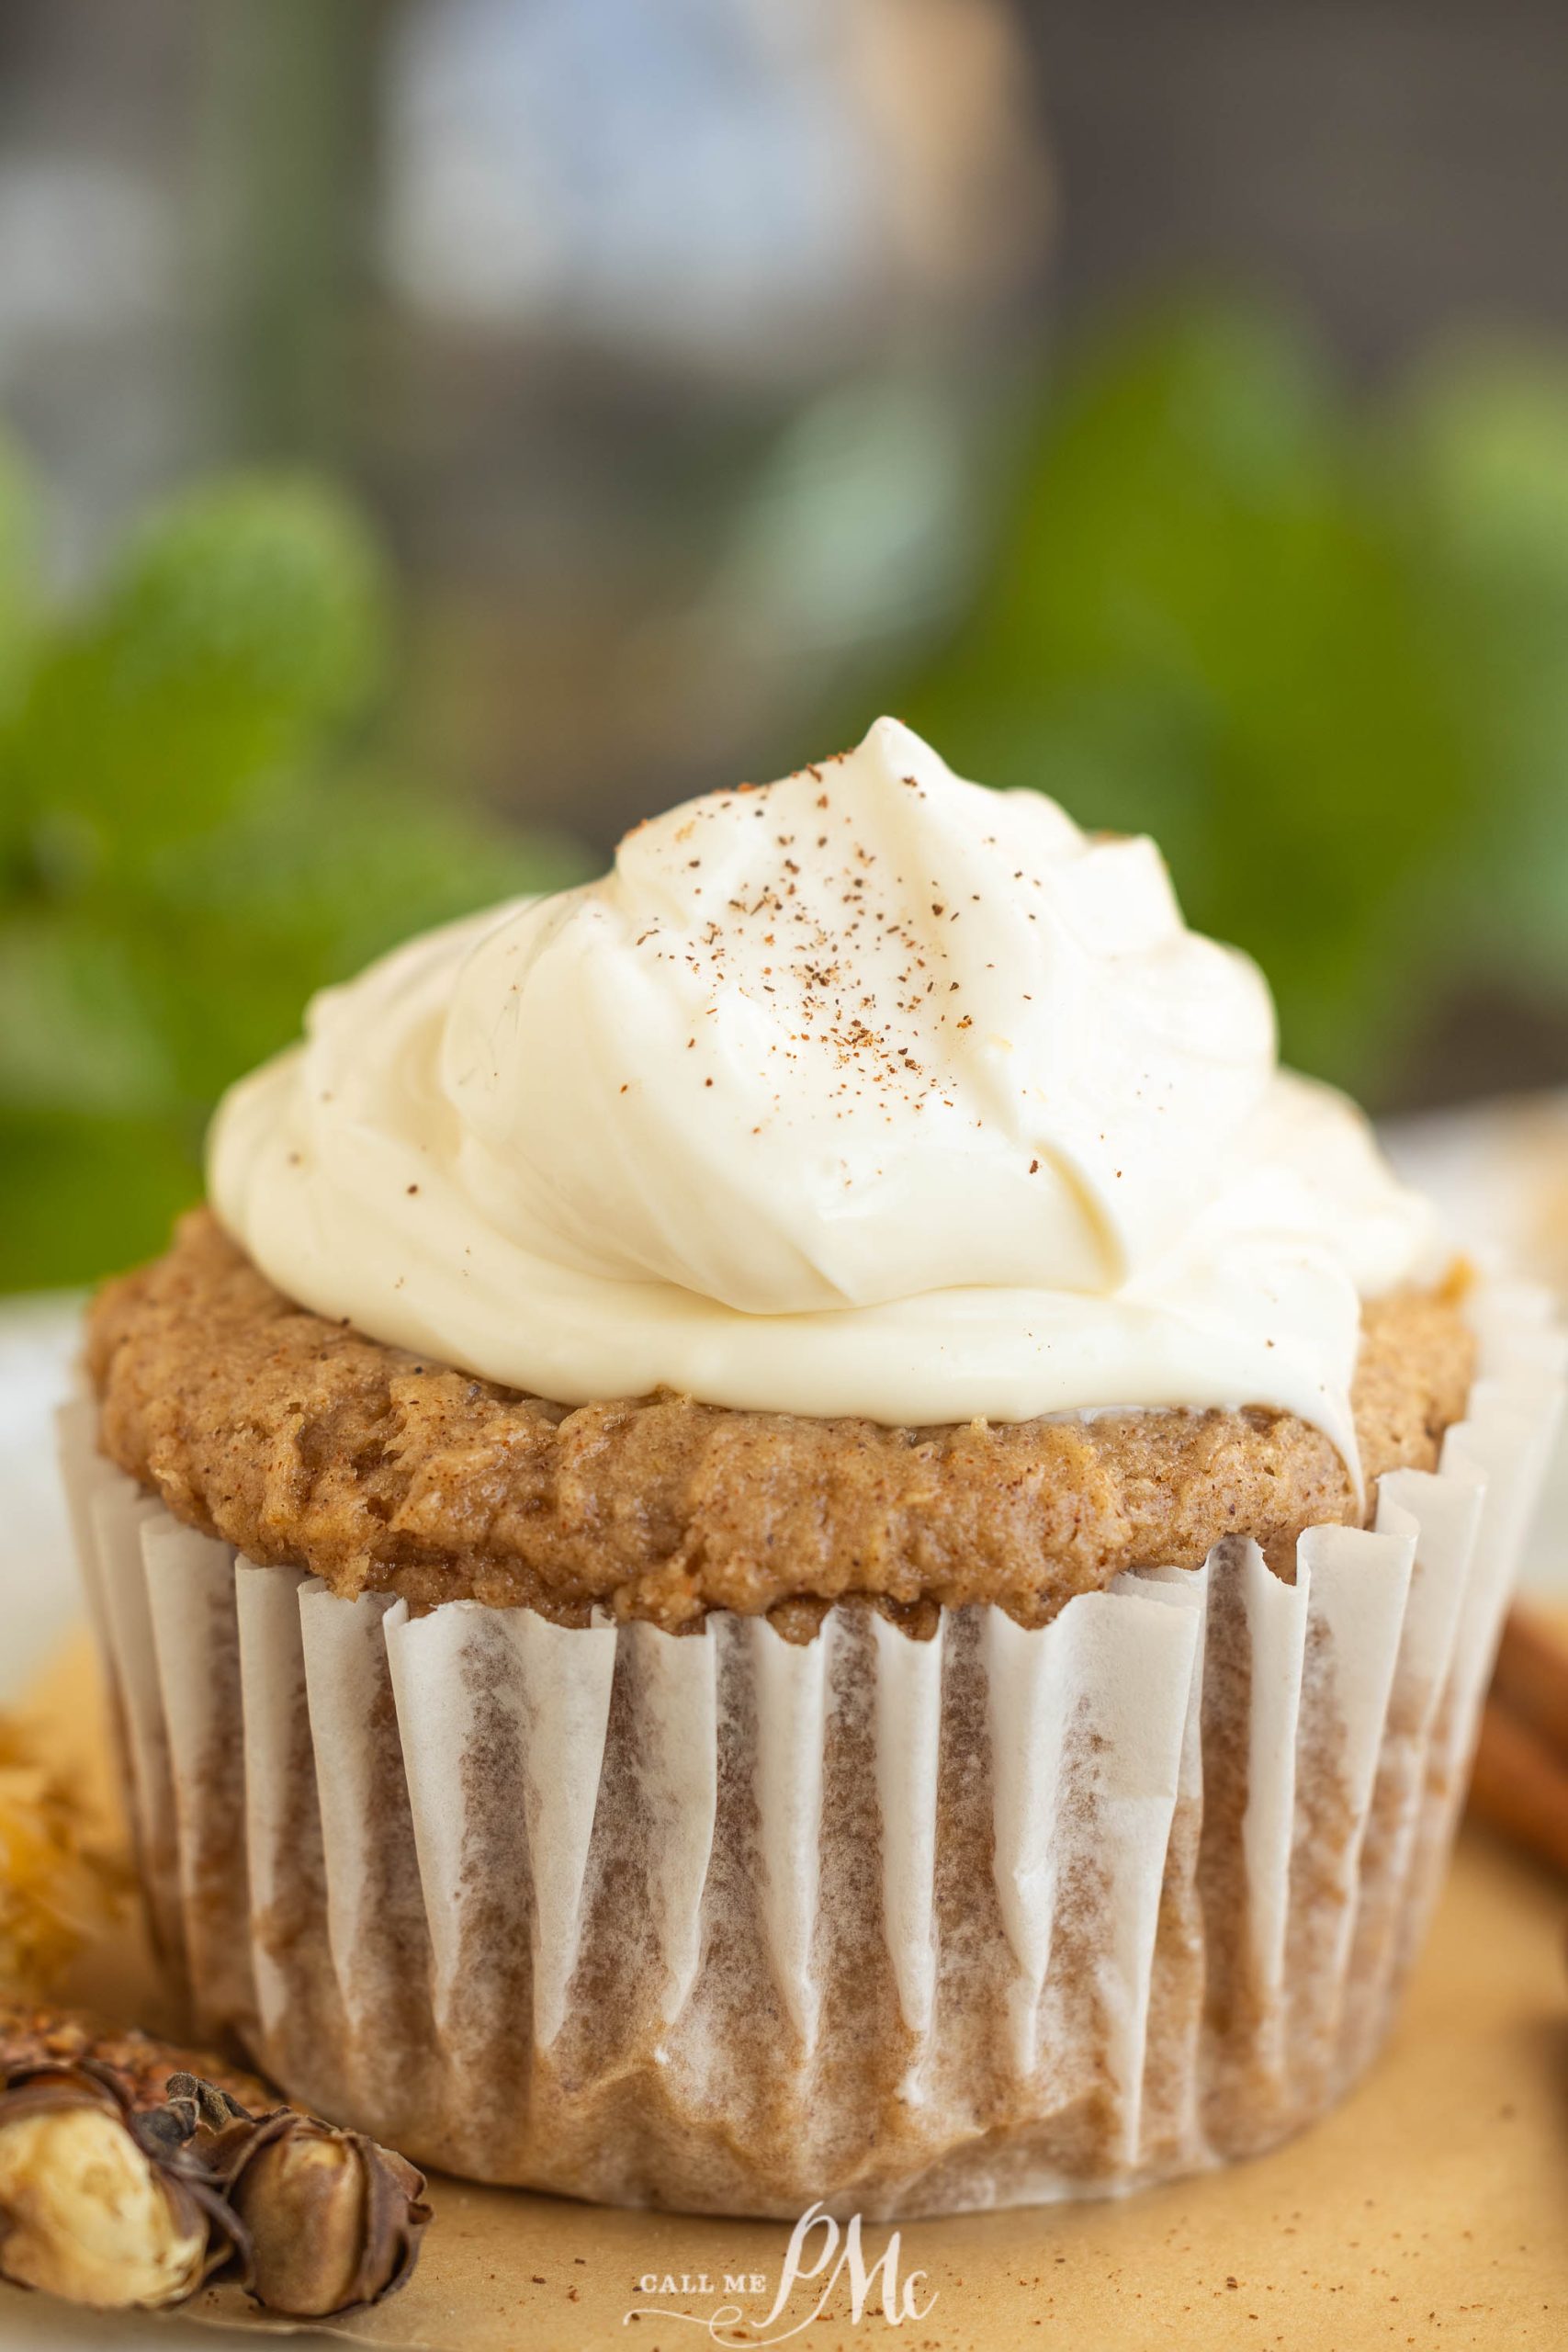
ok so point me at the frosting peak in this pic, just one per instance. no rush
(866, 1090)
(864, 1033)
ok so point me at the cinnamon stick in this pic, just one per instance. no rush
(1531, 1679)
(1520, 1785)
(1520, 1781)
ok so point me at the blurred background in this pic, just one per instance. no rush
(439, 432)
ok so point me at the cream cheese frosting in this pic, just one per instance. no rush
(869, 1091)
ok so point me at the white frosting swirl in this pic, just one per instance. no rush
(868, 1092)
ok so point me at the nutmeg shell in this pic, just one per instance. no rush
(94, 2206)
(332, 2220)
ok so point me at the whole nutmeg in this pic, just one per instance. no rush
(93, 2206)
(332, 2221)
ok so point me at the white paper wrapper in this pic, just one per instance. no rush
(724, 1923)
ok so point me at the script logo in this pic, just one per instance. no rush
(818, 2271)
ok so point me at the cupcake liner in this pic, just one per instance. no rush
(722, 1922)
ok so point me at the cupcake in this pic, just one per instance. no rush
(796, 1531)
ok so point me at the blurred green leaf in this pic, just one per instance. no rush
(1312, 649)
(81, 1029)
(1485, 436)
(19, 579)
(269, 588)
(1484, 448)
(245, 627)
(197, 832)
(83, 1194)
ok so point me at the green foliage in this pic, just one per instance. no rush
(195, 832)
(1316, 648)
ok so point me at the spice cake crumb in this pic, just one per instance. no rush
(306, 1443)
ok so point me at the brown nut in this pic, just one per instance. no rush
(333, 2222)
(92, 2207)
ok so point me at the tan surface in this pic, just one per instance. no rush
(1431, 2210)
(306, 1444)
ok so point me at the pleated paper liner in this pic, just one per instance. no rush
(729, 1924)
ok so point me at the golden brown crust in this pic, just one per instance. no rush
(301, 1441)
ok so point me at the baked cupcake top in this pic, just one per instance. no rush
(868, 1093)
(305, 1443)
